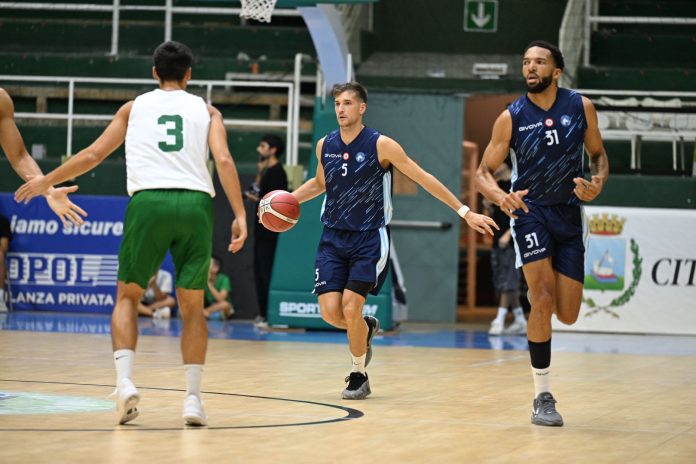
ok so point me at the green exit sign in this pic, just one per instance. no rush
(481, 15)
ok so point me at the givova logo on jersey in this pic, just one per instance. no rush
(530, 126)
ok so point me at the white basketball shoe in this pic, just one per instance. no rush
(127, 398)
(194, 414)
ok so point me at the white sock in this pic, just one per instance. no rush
(542, 380)
(502, 312)
(519, 313)
(359, 363)
(194, 373)
(123, 359)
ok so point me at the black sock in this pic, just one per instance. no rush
(540, 354)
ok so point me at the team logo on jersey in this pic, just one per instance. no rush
(548, 122)
(360, 157)
(565, 120)
(346, 156)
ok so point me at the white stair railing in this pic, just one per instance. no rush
(290, 123)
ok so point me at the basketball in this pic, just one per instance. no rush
(279, 211)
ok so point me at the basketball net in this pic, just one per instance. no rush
(258, 10)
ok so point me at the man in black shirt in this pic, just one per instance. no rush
(506, 277)
(271, 177)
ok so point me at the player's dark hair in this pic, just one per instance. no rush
(172, 60)
(356, 87)
(555, 51)
(276, 142)
(217, 260)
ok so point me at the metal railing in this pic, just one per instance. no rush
(677, 134)
(291, 123)
(115, 9)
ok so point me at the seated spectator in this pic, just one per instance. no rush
(157, 301)
(218, 292)
(5, 237)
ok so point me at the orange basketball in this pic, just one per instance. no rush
(279, 211)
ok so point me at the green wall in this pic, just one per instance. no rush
(648, 192)
(438, 26)
(430, 128)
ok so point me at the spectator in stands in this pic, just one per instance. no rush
(271, 175)
(217, 293)
(506, 277)
(157, 301)
(548, 130)
(167, 132)
(25, 166)
(5, 238)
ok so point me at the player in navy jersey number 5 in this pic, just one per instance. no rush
(546, 132)
(355, 171)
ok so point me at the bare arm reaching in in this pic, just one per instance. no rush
(86, 160)
(25, 166)
(392, 152)
(227, 171)
(317, 184)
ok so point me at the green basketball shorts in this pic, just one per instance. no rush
(180, 221)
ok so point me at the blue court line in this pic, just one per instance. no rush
(435, 336)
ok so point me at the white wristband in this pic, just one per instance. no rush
(463, 210)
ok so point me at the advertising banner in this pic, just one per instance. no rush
(56, 268)
(301, 309)
(640, 272)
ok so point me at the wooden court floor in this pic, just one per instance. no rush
(279, 402)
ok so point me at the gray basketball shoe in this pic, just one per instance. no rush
(358, 387)
(372, 329)
(544, 411)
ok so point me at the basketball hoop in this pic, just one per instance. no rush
(258, 10)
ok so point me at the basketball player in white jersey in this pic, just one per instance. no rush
(167, 133)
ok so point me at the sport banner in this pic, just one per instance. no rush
(301, 309)
(640, 272)
(57, 268)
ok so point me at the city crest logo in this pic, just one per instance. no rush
(606, 268)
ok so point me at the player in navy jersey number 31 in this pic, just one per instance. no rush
(546, 132)
(355, 171)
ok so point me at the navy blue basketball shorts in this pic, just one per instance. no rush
(558, 231)
(346, 255)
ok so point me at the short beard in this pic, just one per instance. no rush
(543, 84)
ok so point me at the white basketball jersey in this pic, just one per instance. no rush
(167, 142)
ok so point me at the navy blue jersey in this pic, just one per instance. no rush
(547, 148)
(358, 188)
